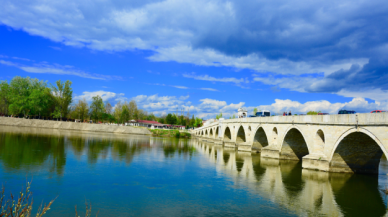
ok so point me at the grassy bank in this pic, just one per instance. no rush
(170, 133)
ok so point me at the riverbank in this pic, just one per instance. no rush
(21, 122)
(170, 133)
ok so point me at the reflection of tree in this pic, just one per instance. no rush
(19, 151)
(78, 145)
(172, 146)
(97, 148)
(122, 150)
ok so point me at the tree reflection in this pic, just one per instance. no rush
(27, 151)
(179, 146)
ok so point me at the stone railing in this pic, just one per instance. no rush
(346, 119)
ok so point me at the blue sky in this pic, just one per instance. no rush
(204, 56)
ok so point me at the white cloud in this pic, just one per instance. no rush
(209, 89)
(375, 94)
(180, 87)
(358, 104)
(205, 32)
(211, 57)
(19, 58)
(44, 68)
(105, 95)
(213, 79)
(209, 108)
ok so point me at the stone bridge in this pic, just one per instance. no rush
(334, 143)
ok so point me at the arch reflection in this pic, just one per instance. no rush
(303, 192)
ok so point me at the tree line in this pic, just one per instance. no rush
(32, 98)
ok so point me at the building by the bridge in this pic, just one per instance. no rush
(242, 113)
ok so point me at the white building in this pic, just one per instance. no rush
(242, 113)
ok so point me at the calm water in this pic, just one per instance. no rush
(123, 175)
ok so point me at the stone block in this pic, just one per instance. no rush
(270, 152)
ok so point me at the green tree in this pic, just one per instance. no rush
(254, 111)
(313, 112)
(192, 121)
(198, 122)
(125, 115)
(4, 97)
(108, 108)
(171, 119)
(111, 118)
(20, 89)
(81, 110)
(63, 96)
(140, 114)
(40, 98)
(118, 111)
(132, 109)
(97, 108)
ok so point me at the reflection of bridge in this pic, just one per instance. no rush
(335, 143)
(303, 192)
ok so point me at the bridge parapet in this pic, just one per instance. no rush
(343, 119)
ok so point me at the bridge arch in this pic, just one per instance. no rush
(211, 132)
(260, 139)
(227, 135)
(294, 145)
(240, 137)
(217, 132)
(357, 151)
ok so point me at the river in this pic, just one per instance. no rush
(126, 175)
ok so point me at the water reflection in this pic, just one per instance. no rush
(33, 149)
(300, 192)
(303, 192)
(25, 151)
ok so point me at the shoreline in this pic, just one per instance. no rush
(60, 125)
(170, 133)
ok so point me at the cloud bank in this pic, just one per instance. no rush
(209, 108)
(44, 68)
(342, 45)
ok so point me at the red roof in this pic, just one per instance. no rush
(147, 122)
